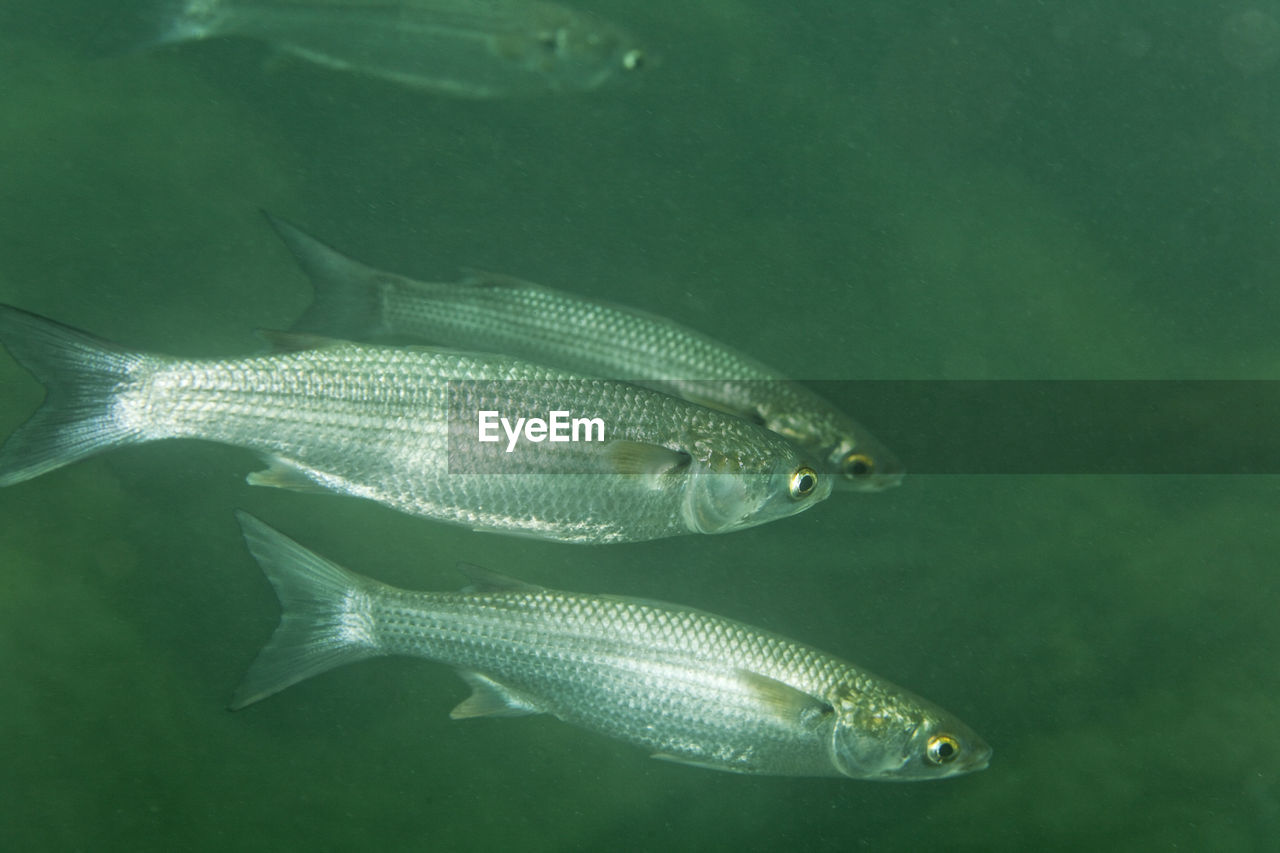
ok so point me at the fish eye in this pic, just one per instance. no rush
(942, 749)
(857, 465)
(633, 60)
(803, 481)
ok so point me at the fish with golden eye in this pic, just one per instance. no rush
(685, 685)
(497, 313)
(464, 48)
(403, 427)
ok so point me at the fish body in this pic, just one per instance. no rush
(498, 313)
(687, 686)
(466, 48)
(394, 425)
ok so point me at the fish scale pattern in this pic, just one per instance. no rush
(374, 422)
(666, 678)
(501, 314)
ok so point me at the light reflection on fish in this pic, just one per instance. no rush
(465, 48)
(688, 686)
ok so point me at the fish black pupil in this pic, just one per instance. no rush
(946, 750)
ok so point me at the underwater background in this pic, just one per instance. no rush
(998, 190)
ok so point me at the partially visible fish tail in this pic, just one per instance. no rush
(81, 375)
(325, 621)
(348, 298)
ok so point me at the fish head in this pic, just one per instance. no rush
(854, 457)
(904, 741)
(578, 51)
(863, 464)
(727, 492)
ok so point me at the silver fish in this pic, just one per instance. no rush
(686, 685)
(501, 314)
(465, 48)
(395, 426)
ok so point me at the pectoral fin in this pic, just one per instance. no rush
(651, 460)
(693, 762)
(490, 699)
(786, 702)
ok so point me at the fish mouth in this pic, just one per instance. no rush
(977, 756)
(874, 483)
(871, 469)
(981, 761)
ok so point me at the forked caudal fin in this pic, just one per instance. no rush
(326, 620)
(82, 375)
(347, 298)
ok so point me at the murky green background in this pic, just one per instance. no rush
(1062, 189)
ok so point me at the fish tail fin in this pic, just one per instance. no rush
(348, 299)
(81, 375)
(326, 620)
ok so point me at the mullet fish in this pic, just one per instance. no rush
(465, 48)
(497, 313)
(398, 426)
(686, 685)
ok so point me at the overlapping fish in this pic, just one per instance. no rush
(500, 314)
(466, 48)
(400, 426)
(686, 685)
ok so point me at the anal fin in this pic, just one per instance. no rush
(283, 474)
(491, 699)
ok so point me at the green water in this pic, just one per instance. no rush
(844, 190)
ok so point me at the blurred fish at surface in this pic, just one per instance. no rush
(688, 686)
(496, 313)
(400, 426)
(465, 48)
